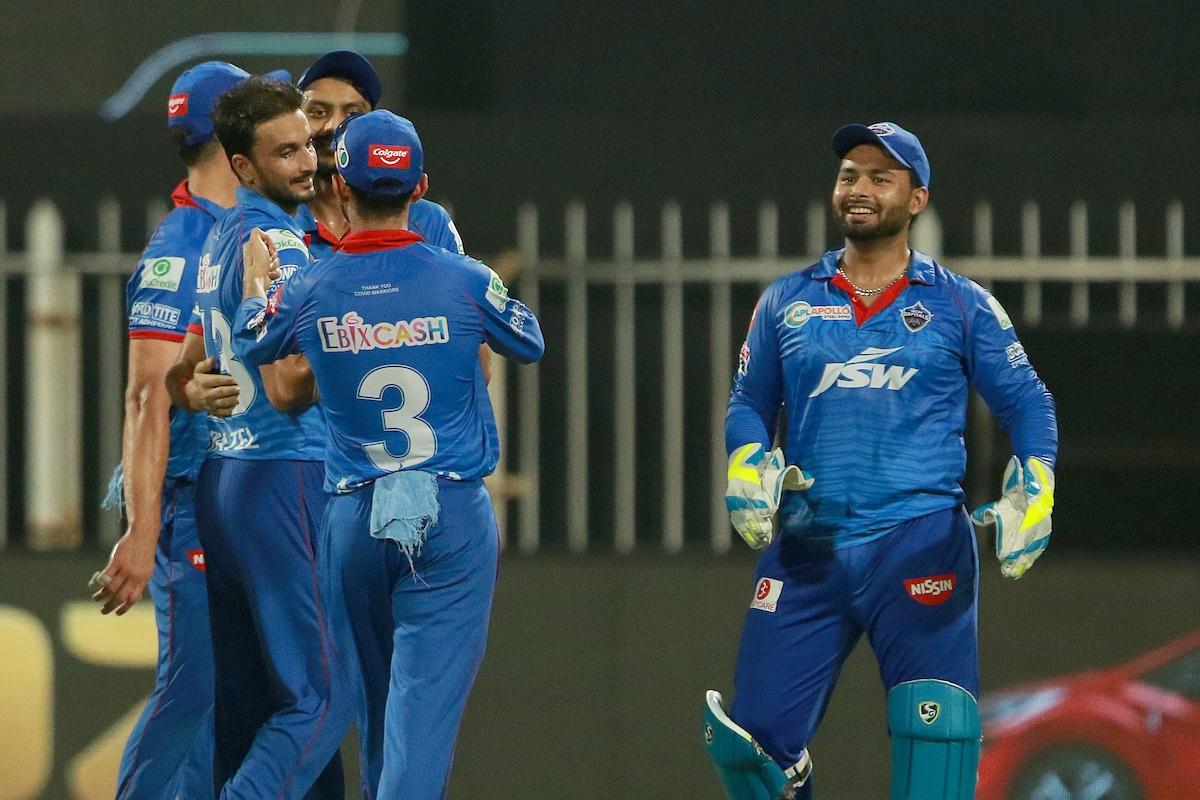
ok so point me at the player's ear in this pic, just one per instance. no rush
(341, 189)
(421, 188)
(918, 200)
(243, 168)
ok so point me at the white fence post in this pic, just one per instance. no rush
(1127, 309)
(577, 374)
(529, 397)
(814, 230)
(1176, 312)
(927, 233)
(4, 470)
(672, 354)
(625, 384)
(52, 390)
(719, 344)
(1031, 249)
(1080, 305)
(107, 374)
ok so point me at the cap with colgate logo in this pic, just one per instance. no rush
(379, 153)
(195, 92)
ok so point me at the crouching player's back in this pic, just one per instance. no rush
(392, 327)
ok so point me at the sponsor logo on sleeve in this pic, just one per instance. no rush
(286, 240)
(1016, 355)
(916, 316)
(177, 105)
(196, 559)
(799, 313)
(352, 335)
(497, 292)
(343, 155)
(388, 156)
(163, 274)
(1001, 314)
(744, 359)
(766, 594)
(932, 590)
(155, 315)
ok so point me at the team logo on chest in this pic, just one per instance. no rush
(916, 316)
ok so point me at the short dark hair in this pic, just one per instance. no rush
(914, 180)
(377, 206)
(191, 154)
(252, 102)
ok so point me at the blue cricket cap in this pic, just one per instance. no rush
(902, 145)
(347, 65)
(379, 153)
(194, 95)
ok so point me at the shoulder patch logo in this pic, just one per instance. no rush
(286, 240)
(916, 316)
(497, 293)
(1001, 314)
(162, 273)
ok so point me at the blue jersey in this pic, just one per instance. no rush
(255, 430)
(392, 327)
(159, 297)
(425, 218)
(876, 409)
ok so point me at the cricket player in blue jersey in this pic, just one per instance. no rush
(392, 326)
(259, 498)
(338, 85)
(869, 353)
(169, 752)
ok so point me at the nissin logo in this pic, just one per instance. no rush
(388, 156)
(862, 372)
(931, 591)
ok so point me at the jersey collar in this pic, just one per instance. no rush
(920, 266)
(182, 197)
(251, 199)
(357, 242)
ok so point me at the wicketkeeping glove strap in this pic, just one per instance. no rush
(1022, 515)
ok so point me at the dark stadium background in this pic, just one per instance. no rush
(592, 685)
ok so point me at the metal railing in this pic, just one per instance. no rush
(58, 286)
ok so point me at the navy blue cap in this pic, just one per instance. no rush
(347, 65)
(903, 146)
(194, 94)
(379, 152)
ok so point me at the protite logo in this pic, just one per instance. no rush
(388, 156)
(860, 373)
(931, 591)
(196, 557)
(177, 105)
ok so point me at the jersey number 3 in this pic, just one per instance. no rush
(414, 390)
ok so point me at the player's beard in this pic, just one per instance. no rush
(326, 165)
(888, 222)
(286, 193)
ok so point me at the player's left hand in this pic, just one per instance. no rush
(123, 581)
(1021, 515)
(756, 482)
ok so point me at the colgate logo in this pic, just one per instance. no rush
(931, 591)
(196, 557)
(388, 156)
(177, 105)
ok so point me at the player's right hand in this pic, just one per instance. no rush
(210, 391)
(123, 580)
(260, 263)
(756, 482)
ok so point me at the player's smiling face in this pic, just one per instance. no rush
(874, 197)
(327, 102)
(283, 161)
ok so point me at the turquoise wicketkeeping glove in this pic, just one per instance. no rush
(1022, 515)
(756, 482)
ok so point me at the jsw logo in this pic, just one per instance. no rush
(861, 372)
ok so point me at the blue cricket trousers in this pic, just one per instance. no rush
(418, 630)
(170, 750)
(913, 591)
(277, 727)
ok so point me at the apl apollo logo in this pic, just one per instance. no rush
(388, 156)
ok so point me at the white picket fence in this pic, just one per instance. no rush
(55, 394)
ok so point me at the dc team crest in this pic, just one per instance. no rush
(916, 316)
